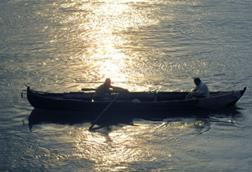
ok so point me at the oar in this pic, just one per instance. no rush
(88, 89)
(102, 112)
(128, 82)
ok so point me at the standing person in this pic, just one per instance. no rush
(200, 91)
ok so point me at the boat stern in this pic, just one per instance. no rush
(221, 101)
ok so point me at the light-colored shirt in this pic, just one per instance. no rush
(202, 90)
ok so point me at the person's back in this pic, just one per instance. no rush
(104, 89)
(201, 90)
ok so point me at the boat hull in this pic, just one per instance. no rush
(71, 108)
(133, 102)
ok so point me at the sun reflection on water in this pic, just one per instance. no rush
(111, 151)
(100, 39)
(116, 149)
(102, 32)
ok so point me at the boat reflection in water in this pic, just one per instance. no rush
(39, 116)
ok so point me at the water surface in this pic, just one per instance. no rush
(146, 45)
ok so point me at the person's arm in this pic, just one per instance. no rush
(119, 89)
(196, 89)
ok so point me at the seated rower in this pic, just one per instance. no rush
(106, 89)
(200, 91)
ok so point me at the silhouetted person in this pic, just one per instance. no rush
(200, 91)
(106, 89)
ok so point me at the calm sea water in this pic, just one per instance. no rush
(64, 45)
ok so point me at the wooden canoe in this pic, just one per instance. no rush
(132, 101)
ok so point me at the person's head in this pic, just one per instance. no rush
(197, 81)
(107, 82)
